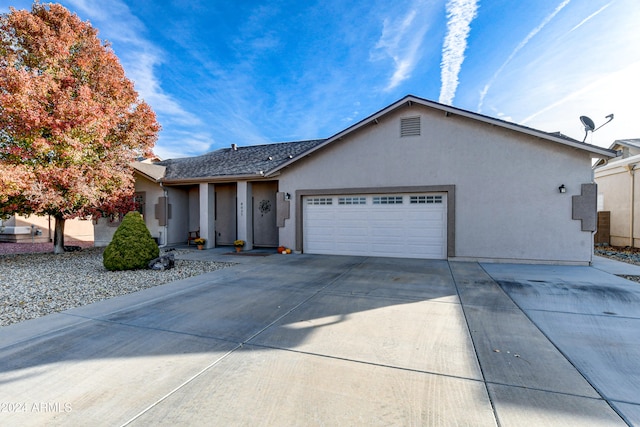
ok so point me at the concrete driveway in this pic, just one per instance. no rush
(321, 340)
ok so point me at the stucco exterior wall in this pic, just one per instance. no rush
(153, 192)
(194, 209)
(507, 205)
(615, 182)
(178, 226)
(176, 229)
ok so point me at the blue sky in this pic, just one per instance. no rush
(250, 72)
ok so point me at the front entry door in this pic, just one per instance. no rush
(225, 214)
(265, 230)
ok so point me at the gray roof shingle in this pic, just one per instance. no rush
(250, 160)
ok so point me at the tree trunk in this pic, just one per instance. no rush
(58, 236)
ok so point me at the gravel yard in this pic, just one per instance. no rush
(628, 255)
(37, 284)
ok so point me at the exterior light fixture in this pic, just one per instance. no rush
(287, 196)
(562, 189)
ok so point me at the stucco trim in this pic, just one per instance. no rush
(451, 206)
(283, 209)
(584, 207)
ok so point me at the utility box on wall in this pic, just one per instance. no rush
(163, 211)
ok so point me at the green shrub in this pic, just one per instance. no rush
(132, 246)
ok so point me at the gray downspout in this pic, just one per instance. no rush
(166, 213)
(632, 171)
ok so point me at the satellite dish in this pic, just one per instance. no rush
(588, 123)
(590, 126)
(610, 117)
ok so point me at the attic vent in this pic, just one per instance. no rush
(410, 126)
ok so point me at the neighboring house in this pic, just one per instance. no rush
(619, 192)
(416, 179)
(40, 229)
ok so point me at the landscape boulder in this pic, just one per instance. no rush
(164, 262)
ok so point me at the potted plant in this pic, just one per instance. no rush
(238, 244)
(200, 242)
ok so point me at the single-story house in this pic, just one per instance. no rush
(619, 192)
(41, 228)
(415, 179)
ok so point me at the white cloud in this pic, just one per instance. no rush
(138, 56)
(518, 48)
(141, 59)
(183, 144)
(401, 40)
(606, 94)
(588, 18)
(460, 13)
(585, 63)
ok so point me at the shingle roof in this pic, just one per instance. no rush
(250, 160)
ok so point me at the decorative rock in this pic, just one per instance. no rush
(164, 262)
(34, 285)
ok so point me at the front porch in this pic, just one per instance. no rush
(225, 212)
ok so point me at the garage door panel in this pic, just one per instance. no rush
(350, 249)
(393, 227)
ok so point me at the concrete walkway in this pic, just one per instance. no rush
(322, 340)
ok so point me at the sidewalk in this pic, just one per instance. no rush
(615, 267)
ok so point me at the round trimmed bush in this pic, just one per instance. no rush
(132, 246)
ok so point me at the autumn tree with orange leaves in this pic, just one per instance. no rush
(71, 122)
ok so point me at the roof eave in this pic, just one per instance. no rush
(627, 142)
(210, 179)
(595, 151)
(144, 175)
(618, 163)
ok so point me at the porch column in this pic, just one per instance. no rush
(245, 214)
(207, 214)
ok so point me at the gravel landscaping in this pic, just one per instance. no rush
(623, 254)
(37, 284)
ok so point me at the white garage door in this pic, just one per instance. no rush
(385, 225)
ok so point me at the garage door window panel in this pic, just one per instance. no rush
(387, 200)
(352, 200)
